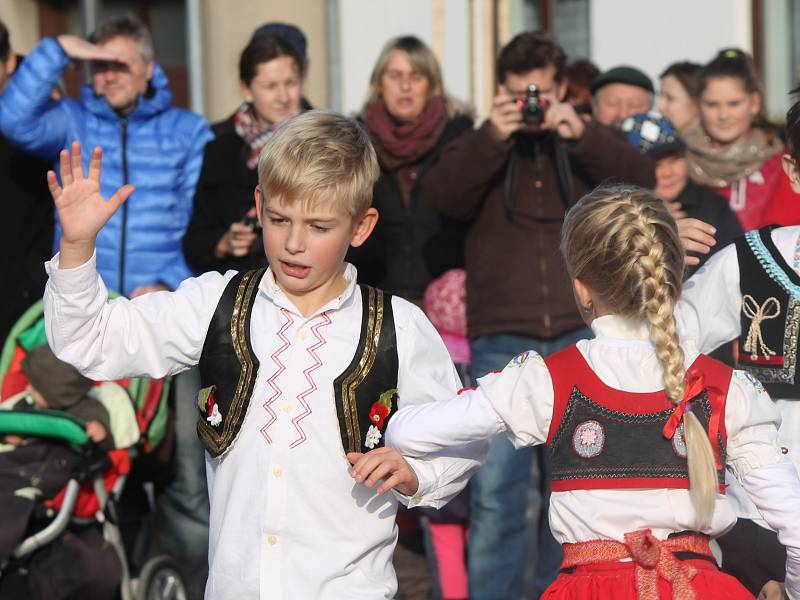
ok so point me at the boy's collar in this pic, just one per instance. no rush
(270, 288)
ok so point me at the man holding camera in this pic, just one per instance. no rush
(514, 178)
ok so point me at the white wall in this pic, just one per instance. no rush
(456, 64)
(651, 34)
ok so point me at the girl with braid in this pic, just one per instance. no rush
(640, 427)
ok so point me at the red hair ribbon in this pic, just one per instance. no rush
(695, 384)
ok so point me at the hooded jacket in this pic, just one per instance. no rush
(156, 147)
(64, 388)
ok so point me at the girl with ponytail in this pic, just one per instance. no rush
(639, 426)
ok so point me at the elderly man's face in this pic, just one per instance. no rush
(615, 102)
(120, 83)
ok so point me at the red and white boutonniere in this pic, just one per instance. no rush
(207, 404)
(378, 414)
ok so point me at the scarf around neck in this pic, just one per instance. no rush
(252, 132)
(404, 143)
(719, 166)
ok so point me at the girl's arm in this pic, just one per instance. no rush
(517, 400)
(769, 478)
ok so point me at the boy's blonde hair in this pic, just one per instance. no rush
(623, 244)
(320, 158)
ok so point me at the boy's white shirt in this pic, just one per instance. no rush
(287, 519)
(709, 315)
(519, 400)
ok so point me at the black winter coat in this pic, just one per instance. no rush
(26, 232)
(410, 246)
(223, 196)
(699, 202)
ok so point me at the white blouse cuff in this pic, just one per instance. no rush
(71, 281)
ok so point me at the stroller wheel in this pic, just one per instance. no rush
(161, 579)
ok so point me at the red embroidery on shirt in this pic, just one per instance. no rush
(312, 385)
(465, 389)
(276, 391)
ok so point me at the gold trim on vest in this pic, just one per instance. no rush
(217, 443)
(374, 324)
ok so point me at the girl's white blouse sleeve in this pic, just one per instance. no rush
(711, 302)
(769, 478)
(517, 400)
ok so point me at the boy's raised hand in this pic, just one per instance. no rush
(387, 465)
(82, 211)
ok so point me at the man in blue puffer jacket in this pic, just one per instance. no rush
(158, 148)
(146, 142)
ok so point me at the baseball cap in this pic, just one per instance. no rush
(653, 134)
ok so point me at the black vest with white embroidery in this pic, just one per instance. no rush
(229, 367)
(604, 438)
(767, 346)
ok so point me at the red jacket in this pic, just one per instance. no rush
(783, 207)
(750, 196)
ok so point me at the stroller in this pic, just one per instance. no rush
(96, 479)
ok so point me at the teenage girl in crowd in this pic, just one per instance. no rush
(734, 150)
(639, 426)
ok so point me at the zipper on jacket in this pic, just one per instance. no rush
(123, 125)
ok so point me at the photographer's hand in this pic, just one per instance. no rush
(506, 116)
(562, 118)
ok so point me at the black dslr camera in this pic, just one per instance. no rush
(533, 106)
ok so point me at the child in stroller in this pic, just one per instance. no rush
(63, 464)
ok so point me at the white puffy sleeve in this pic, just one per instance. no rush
(769, 478)
(517, 400)
(154, 335)
(711, 302)
(426, 379)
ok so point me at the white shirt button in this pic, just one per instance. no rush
(302, 334)
(277, 472)
(272, 540)
(286, 408)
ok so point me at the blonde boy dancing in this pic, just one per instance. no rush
(301, 368)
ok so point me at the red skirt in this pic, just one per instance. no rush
(617, 581)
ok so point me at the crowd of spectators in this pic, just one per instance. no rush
(470, 222)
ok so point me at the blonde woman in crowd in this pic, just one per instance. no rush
(410, 118)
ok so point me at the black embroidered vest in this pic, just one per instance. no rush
(603, 438)
(767, 346)
(365, 393)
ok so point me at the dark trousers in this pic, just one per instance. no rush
(753, 555)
